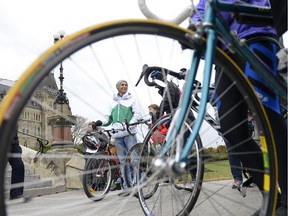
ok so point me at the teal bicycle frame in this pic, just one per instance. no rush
(215, 26)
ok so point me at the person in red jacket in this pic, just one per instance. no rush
(160, 133)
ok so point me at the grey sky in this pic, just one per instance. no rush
(27, 27)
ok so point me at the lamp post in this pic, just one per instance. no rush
(62, 119)
(61, 96)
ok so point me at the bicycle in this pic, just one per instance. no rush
(145, 152)
(102, 170)
(124, 43)
(221, 31)
(102, 167)
(41, 143)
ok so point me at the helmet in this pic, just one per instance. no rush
(94, 141)
(156, 74)
(90, 142)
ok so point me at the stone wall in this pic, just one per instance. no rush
(62, 168)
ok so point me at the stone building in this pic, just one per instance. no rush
(33, 121)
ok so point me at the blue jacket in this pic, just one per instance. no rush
(241, 30)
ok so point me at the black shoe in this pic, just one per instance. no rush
(118, 187)
(124, 193)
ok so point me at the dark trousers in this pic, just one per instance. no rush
(235, 163)
(17, 176)
(229, 118)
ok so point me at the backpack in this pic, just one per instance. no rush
(159, 134)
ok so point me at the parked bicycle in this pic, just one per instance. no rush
(41, 143)
(145, 152)
(208, 118)
(102, 173)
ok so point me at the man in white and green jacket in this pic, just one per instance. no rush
(124, 106)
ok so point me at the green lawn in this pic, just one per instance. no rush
(218, 170)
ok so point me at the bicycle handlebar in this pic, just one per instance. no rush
(126, 126)
(187, 12)
(140, 121)
(144, 68)
(40, 140)
(146, 71)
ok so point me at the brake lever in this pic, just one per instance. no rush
(182, 73)
(144, 68)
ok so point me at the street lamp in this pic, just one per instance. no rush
(61, 96)
(59, 36)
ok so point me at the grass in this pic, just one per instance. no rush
(217, 170)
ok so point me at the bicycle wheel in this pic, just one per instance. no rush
(97, 177)
(136, 167)
(95, 58)
(185, 187)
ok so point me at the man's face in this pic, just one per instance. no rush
(123, 88)
(152, 111)
(89, 128)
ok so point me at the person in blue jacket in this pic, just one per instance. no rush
(264, 41)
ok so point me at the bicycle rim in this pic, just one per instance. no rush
(91, 58)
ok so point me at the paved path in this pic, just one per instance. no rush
(75, 203)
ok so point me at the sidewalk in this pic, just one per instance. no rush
(216, 198)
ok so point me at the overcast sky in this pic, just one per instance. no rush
(27, 27)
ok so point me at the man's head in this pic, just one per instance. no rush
(90, 127)
(153, 108)
(122, 87)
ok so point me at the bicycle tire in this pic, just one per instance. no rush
(96, 184)
(19, 95)
(187, 185)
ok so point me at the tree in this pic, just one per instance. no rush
(221, 149)
(79, 129)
